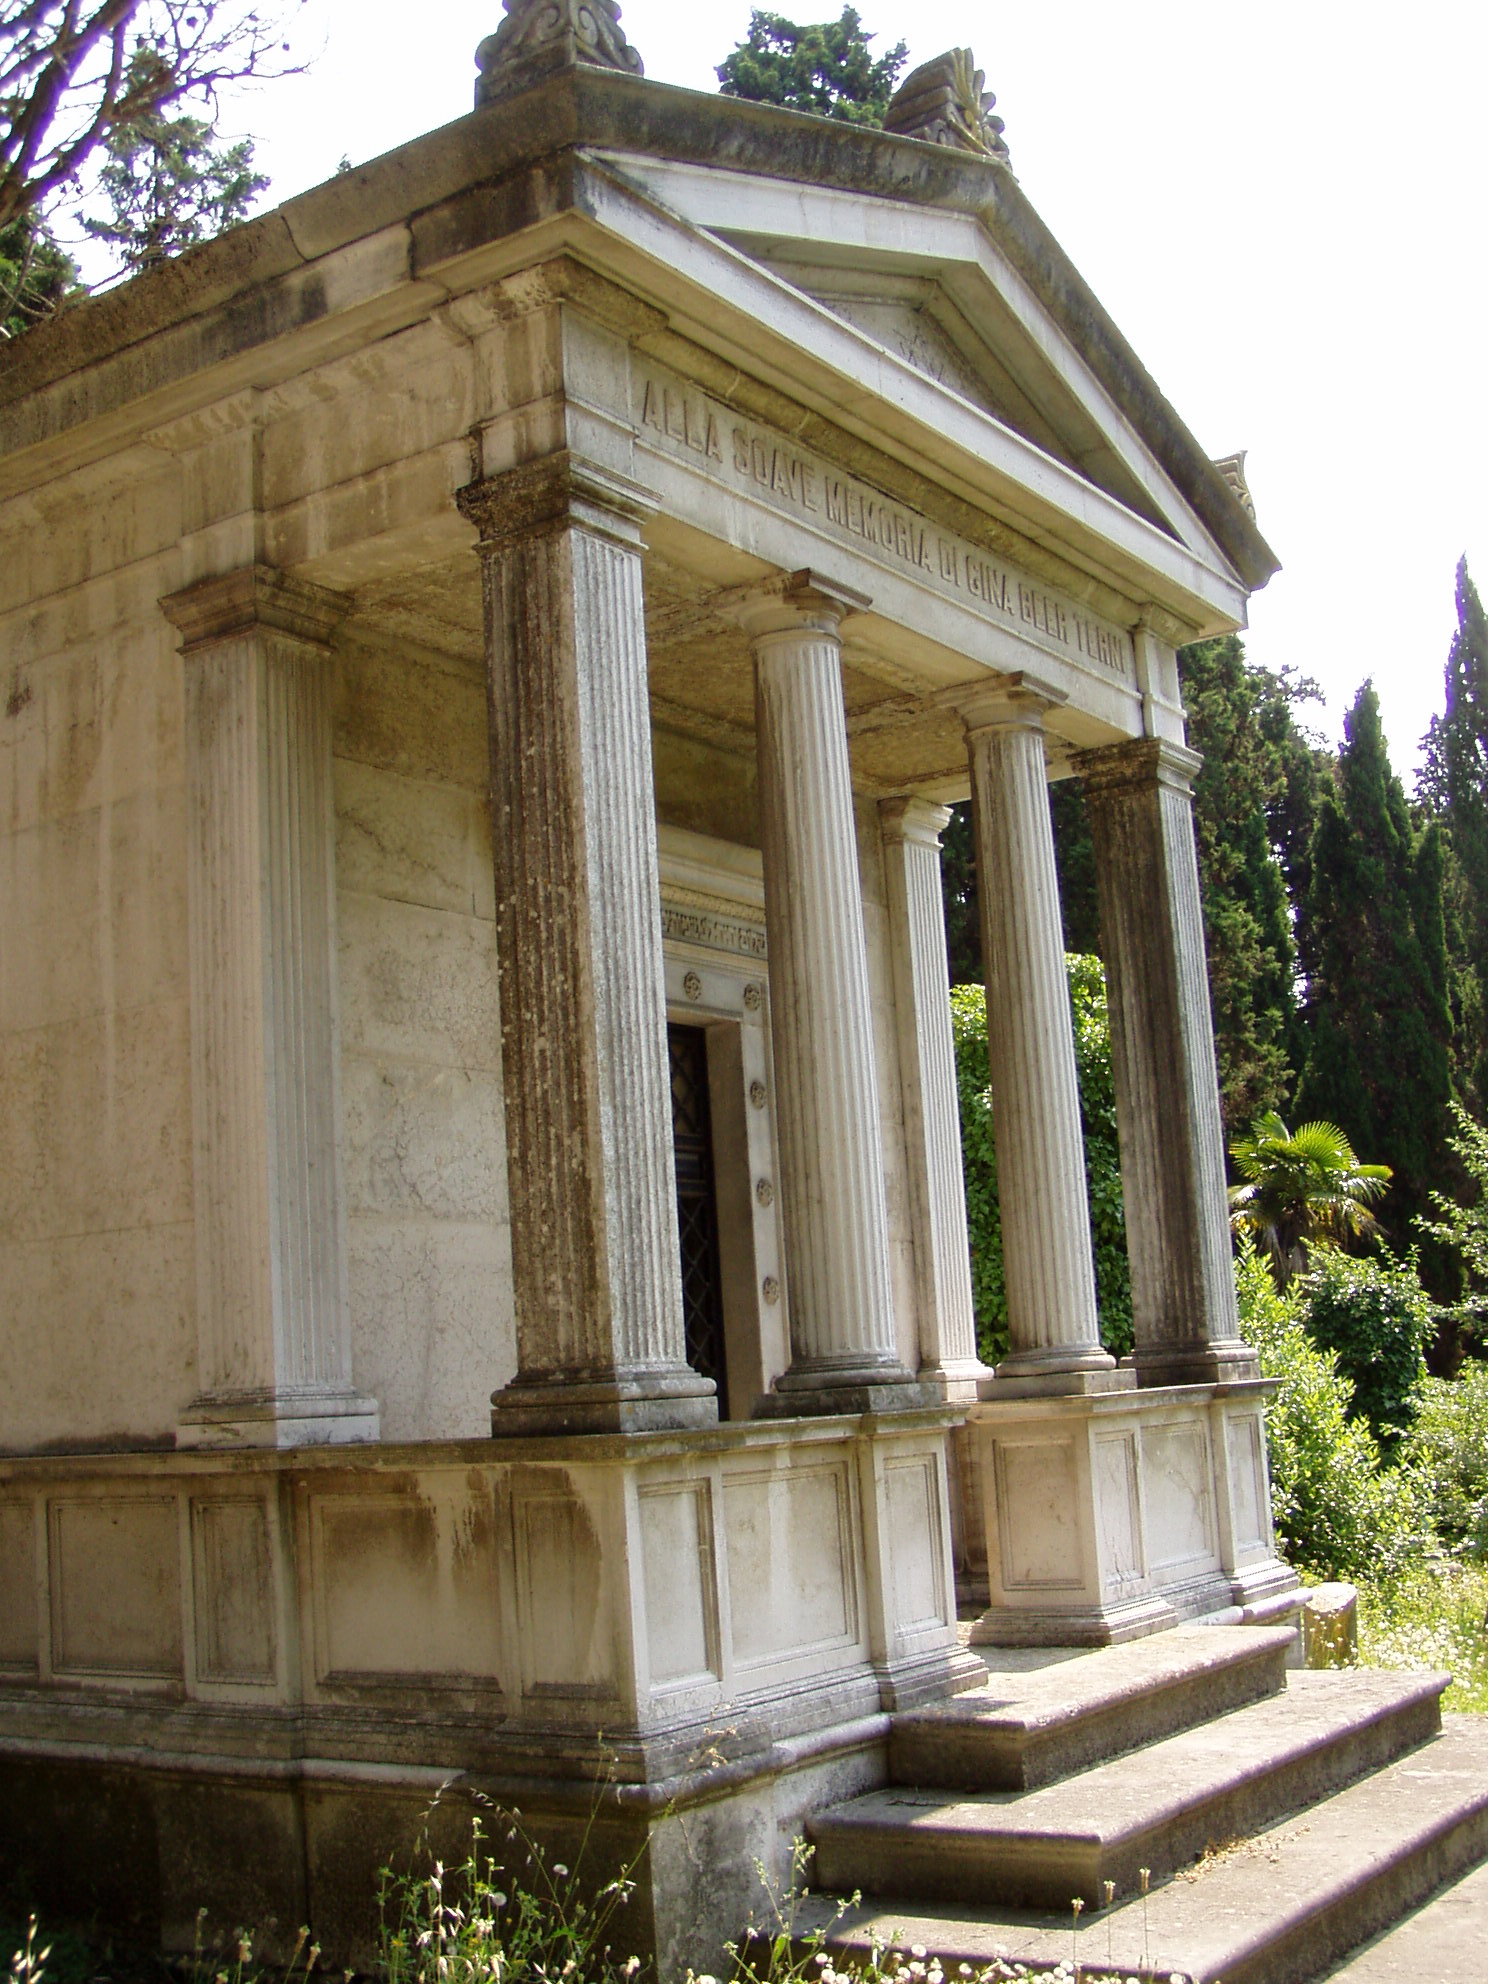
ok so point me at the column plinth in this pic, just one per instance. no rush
(274, 1339)
(932, 1118)
(1054, 1336)
(595, 1251)
(1162, 1050)
(844, 1356)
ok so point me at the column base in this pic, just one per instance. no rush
(667, 1402)
(309, 1418)
(804, 1393)
(1061, 1367)
(1002, 1384)
(959, 1383)
(1230, 1361)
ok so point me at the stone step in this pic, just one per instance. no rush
(1028, 1728)
(1279, 1908)
(1445, 1940)
(1157, 1808)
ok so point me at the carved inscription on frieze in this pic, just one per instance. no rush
(738, 451)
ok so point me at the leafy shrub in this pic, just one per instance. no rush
(1448, 1451)
(1092, 1026)
(1377, 1319)
(1339, 1512)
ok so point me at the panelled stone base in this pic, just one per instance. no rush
(311, 1418)
(258, 1668)
(1112, 1515)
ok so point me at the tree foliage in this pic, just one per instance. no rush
(827, 69)
(1087, 986)
(1454, 788)
(1376, 1007)
(1298, 1188)
(1377, 1320)
(35, 275)
(74, 73)
(170, 183)
(1339, 1512)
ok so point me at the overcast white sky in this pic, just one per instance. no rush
(1281, 203)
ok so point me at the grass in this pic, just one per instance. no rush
(1436, 1616)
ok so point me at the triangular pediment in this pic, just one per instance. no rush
(963, 336)
(1001, 322)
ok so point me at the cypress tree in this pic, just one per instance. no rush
(1377, 1020)
(1454, 788)
(1240, 785)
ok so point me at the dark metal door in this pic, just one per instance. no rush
(697, 1206)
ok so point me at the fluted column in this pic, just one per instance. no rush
(1047, 1262)
(595, 1253)
(274, 1343)
(1162, 1049)
(843, 1352)
(927, 1078)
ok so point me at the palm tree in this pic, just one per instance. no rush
(1301, 1188)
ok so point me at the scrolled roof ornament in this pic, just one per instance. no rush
(539, 37)
(943, 103)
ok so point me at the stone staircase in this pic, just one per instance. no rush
(1283, 1819)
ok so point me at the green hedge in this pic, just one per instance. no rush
(1102, 1159)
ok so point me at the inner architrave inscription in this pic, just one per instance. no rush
(739, 452)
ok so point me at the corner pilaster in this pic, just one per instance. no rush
(274, 1332)
(595, 1252)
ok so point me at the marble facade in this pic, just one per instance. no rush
(540, 587)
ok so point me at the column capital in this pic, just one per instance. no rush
(801, 602)
(221, 608)
(556, 491)
(915, 820)
(1018, 701)
(1138, 766)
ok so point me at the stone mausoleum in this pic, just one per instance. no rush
(486, 650)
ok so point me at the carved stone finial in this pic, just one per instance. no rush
(1232, 468)
(541, 36)
(944, 103)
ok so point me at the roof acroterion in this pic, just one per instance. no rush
(943, 102)
(541, 36)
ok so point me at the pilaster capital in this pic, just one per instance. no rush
(558, 490)
(1144, 764)
(916, 821)
(801, 602)
(233, 603)
(1007, 702)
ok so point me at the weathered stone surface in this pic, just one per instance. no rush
(541, 36)
(594, 1223)
(274, 1356)
(1156, 1808)
(1162, 1054)
(943, 102)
